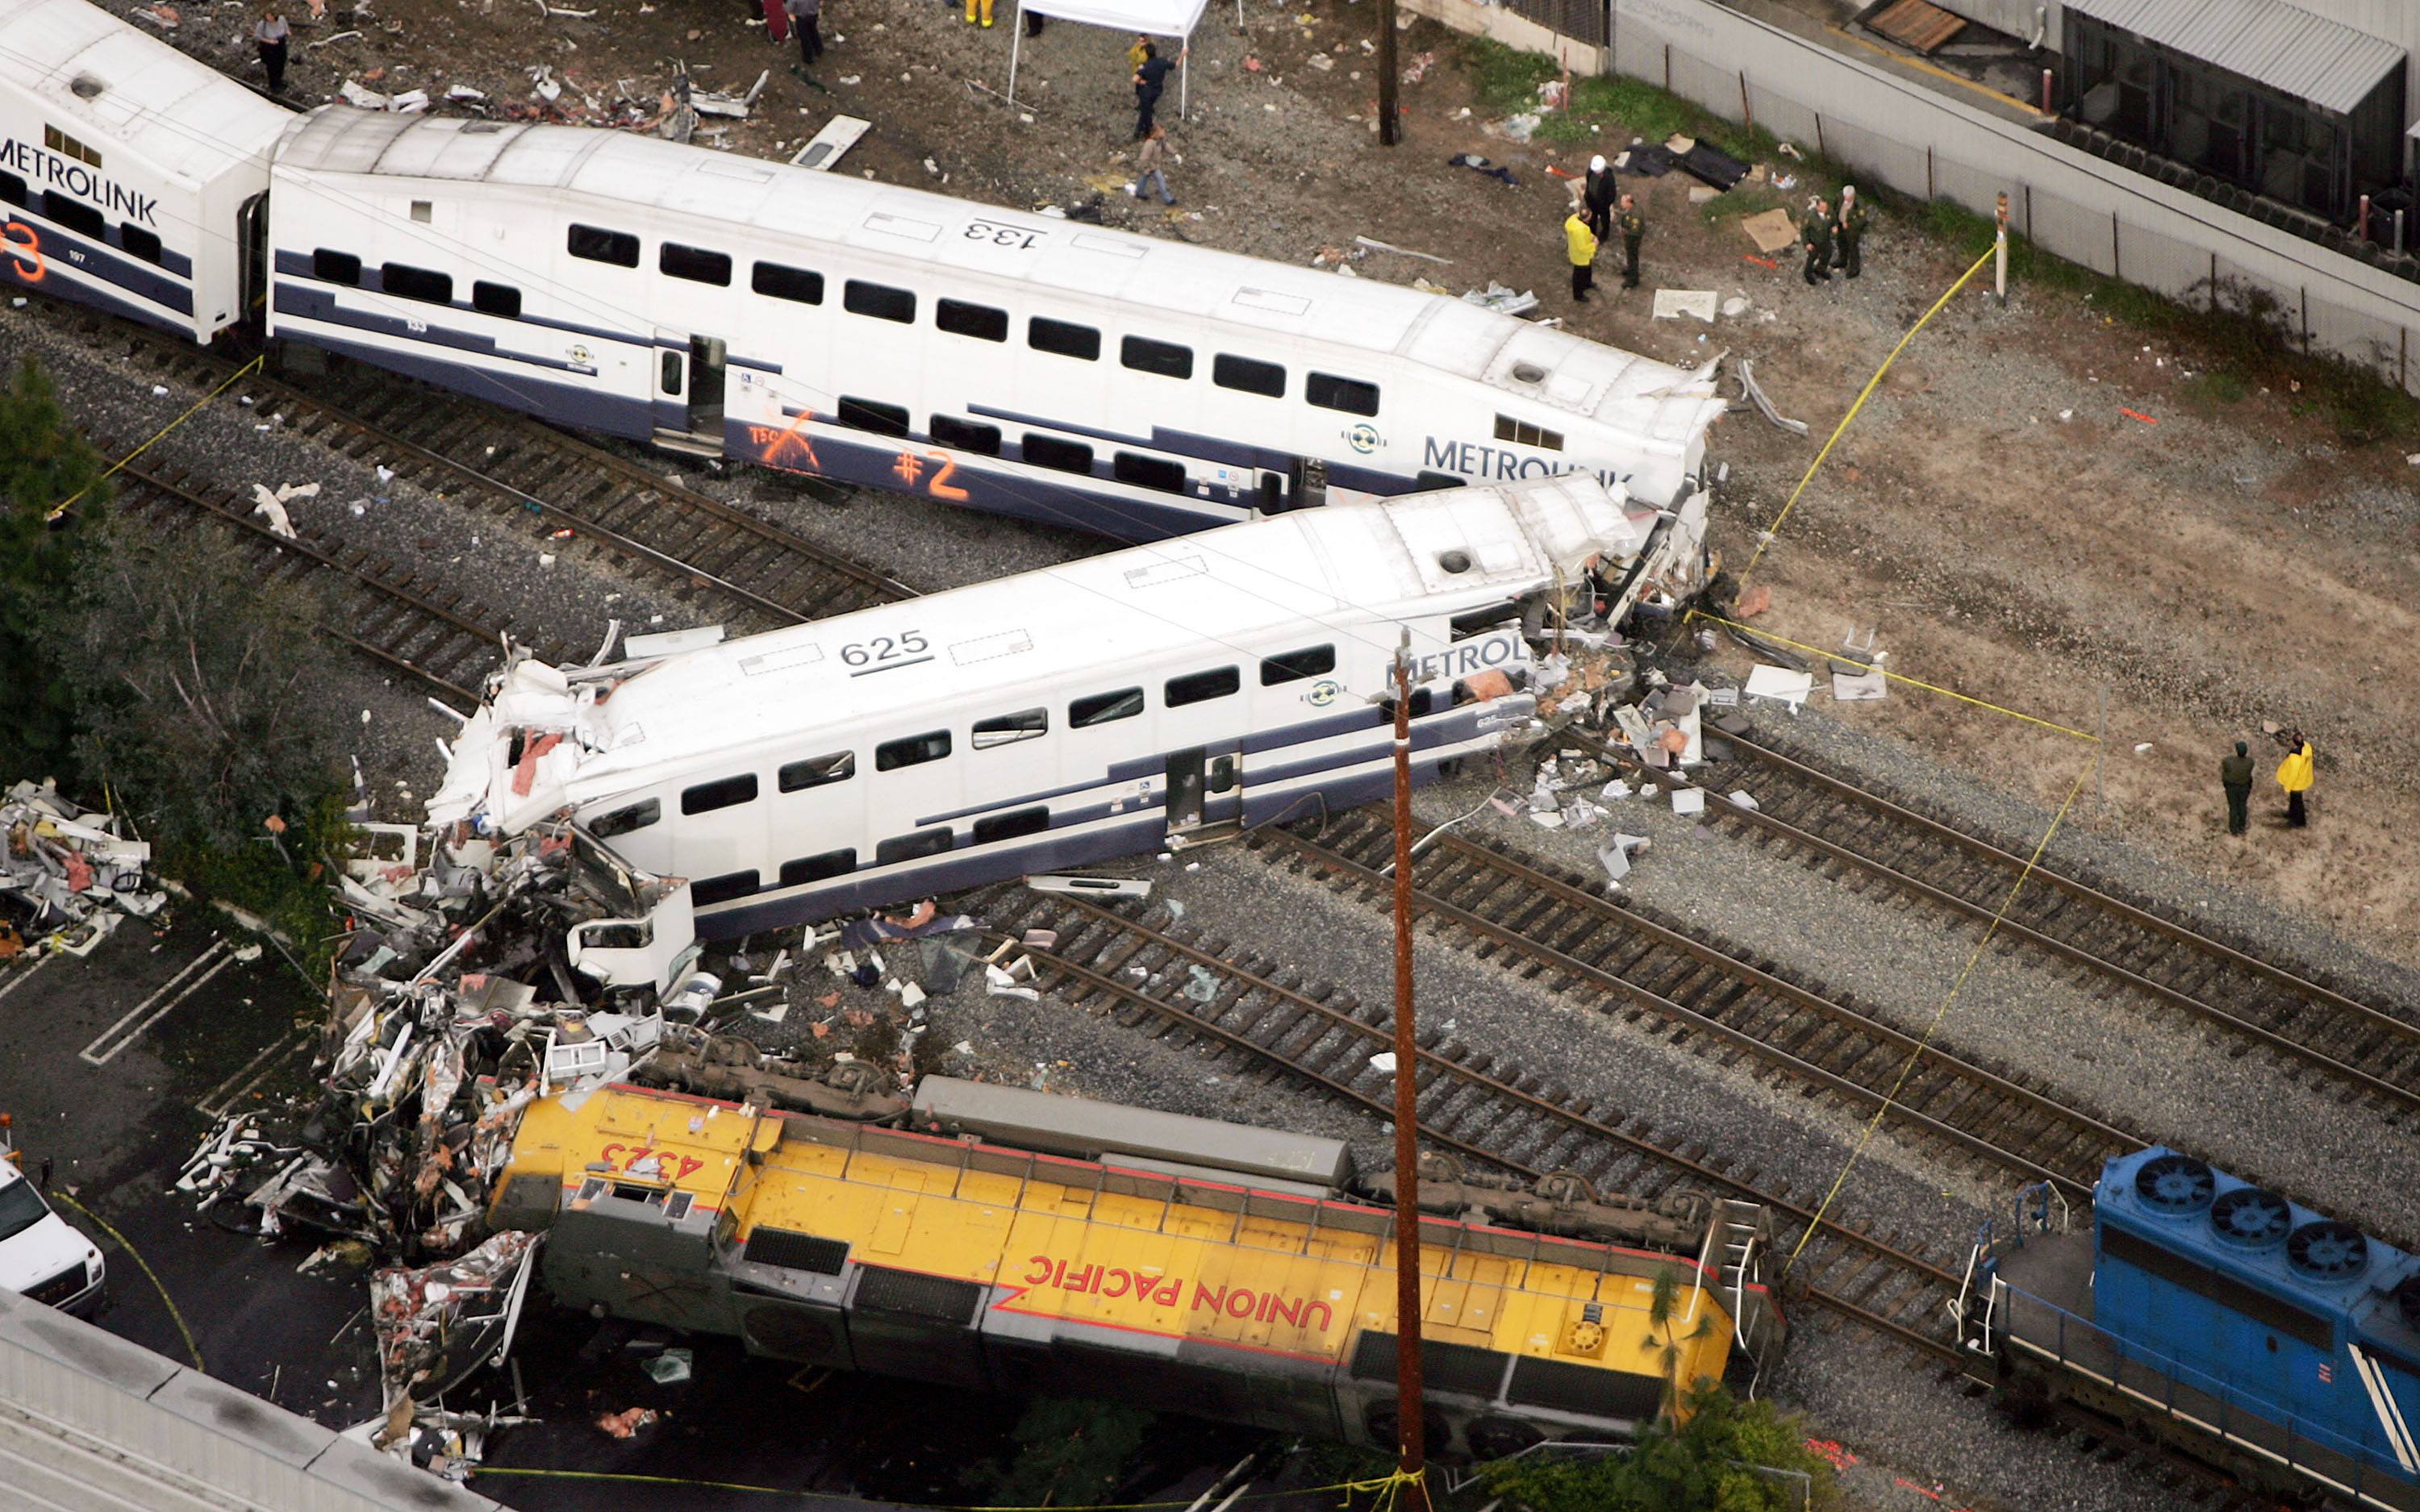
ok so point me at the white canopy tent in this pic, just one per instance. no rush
(1152, 18)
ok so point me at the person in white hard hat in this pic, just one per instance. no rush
(1600, 196)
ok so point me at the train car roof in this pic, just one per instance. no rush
(1229, 593)
(119, 90)
(1546, 366)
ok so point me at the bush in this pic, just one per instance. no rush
(1714, 1463)
(43, 463)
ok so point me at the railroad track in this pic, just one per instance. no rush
(748, 573)
(388, 612)
(2372, 1054)
(1131, 962)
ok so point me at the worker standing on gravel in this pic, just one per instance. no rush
(1815, 234)
(270, 34)
(2235, 776)
(1847, 230)
(1599, 193)
(1633, 226)
(1581, 243)
(972, 5)
(807, 19)
(1151, 78)
(2294, 776)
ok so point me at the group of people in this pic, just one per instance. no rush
(1602, 206)
(1833, 238)
(2293, 775)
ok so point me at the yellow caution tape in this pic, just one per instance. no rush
(245, 371)
(190, 1347)
(1896, 677)
(1872, 384)
(1891, 1099)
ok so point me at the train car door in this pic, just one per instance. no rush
(1194, 777)
(252, 253)
(690, 387)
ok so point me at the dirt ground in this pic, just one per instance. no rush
(1995, 512)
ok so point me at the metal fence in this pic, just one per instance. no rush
(1931, 146)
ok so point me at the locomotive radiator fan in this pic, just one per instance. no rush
(2326, 1250)
(2175, 1186)
(2250, 1217)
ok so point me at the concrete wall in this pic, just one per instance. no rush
(1926, 145)
(1499, 25)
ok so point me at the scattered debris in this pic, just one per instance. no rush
(1781, 684)
(69, 875)
(1376, 245)
(1478, 165)
(1672, 303)
(1773, 231)
(1501, 300)
(1764, 406)
(1859, 688)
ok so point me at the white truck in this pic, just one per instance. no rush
(41, 1255)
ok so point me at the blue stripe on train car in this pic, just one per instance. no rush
(141, 290)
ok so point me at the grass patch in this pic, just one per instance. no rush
(2212, 390)
(1507, 78)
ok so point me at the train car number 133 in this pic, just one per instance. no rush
(1004, 236)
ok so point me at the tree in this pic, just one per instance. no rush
(44, 463)
(1071, 1453)
(201, 694)
(1663, 1309)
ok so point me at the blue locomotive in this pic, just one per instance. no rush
(2216, 1317)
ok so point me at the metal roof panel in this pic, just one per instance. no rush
(2293, 51)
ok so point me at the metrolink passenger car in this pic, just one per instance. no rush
(1163, 694)
(2217, 1317)
(975, 1263)
(728, 306)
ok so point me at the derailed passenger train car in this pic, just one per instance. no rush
(131, 177)
(1164, 695)
(1185, 1287)
(2216, 1317)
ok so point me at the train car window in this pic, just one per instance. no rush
(12, 189)
(815, 771)
(699, 265)
(792, 284)
(880, 300)
(1047, 335)
(1164, 358)
(966, 436)
(670, 381)
(723, 889)
(866, 414)
(1522, 433)
(722, 793)
(1149, 471)
(599, 245)
(981, 321)
(912, 751)
(808, 869)
(1102, 708)
(335, 267)
(496, 298)
(417, 283)
(1437, 479)
(139, 243)
(74, 214)
(67, 147)
(908, 847)
(1229, 370)
(1293, 666)
(1352, 396)
(1200, 687)
(1031, 821)
(1008, 729)
(622, 820)
(1063, 455)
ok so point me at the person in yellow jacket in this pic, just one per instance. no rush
(2294, 776)
(1581, 242)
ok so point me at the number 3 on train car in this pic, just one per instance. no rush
(25, 251)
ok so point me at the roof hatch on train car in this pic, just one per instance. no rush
(1549, 366)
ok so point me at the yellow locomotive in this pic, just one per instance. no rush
(1157, 1273)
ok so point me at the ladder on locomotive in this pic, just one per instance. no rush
(1742, 1239)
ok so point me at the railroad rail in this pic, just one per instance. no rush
(2374, 1054)
(1133, 963)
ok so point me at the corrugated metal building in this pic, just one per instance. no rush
(2303, 108)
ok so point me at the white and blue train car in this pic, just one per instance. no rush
(131, 177)
(995, 359)
(1161, 695)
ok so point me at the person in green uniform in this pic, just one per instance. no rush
(1815, 234)
(1847, 230)
(2235, 776)
(1633, 226)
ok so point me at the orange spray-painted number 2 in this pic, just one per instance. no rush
(24, 250)
(909, 466)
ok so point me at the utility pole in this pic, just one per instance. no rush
(1390, 78)
(2000, 251)
(1411, 1428)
